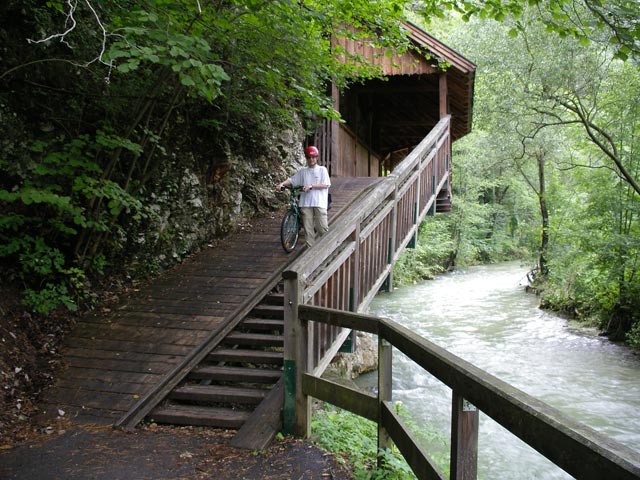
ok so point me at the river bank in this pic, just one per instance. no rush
(483, 315)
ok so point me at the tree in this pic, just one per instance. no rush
(612, 22)
(115, 112)
(572, 107)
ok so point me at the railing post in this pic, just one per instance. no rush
(355, 294)
(464, 439)
(297, 406)
(417, 204)
(393, 231)
(385, 355)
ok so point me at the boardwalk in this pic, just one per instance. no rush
(114, 359)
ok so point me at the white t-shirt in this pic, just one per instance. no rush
(316, 197)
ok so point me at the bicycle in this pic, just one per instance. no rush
(290, 226)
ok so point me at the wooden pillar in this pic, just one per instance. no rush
(335, 168)
(369, 132)
(392, 237)
(416, 205)
(464, 439)
(444, 95)
(356, 273)
(385, 393)
(297, 406)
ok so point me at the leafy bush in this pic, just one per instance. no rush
(56, 205)
(633, 337)
(354, 440)
(431, 255)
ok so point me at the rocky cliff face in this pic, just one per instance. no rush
(195, 200)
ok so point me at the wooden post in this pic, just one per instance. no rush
(444, 95)
(356, 276)
(418, 207)
(335, 168)
(464, 439)
(385, 392)
(393, 230)
(297, 406)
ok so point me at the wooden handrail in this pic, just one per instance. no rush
(381, 193)
(574, 447)
(355, 259)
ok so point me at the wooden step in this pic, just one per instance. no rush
(236, 374)
(246, 356)
(199, 416)
(262, 324)
(254, 339)
(218, 394)
(268, 311)
(274, 298)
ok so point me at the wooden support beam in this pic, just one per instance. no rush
(264, 423)
(360, 403)
(415, 455)
(297, 406)
(464, 439)
(385, 391)
(444, 95)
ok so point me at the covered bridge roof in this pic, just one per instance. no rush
(397, 112)
(461, 78)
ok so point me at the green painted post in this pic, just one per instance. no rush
(349, 345)
(297, 406)
(289, 372)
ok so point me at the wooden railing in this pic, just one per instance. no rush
(576, 448)
(355, 258)
(344, 271)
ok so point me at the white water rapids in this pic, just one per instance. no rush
(483, 315)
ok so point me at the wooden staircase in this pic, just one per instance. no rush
(239, 374)
(443, 201)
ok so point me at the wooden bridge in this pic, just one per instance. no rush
(239, 335)
(118, 360)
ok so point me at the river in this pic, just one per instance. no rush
(483, 315)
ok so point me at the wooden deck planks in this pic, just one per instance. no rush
(114, 358)
(175, 321)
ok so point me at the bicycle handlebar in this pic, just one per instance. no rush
(290, 187)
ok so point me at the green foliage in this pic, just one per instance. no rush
(614, 22)
(354, 440)
(48, 298)
(122, 95)
(573, 107)
(49, 203)
(633, 336)
(431, 255)
(151, 39)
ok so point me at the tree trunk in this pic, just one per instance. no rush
(543, 269)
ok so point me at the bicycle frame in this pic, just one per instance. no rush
(290, 226)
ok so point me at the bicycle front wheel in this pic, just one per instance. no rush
(289, 231)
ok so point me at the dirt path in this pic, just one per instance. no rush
(162, 453)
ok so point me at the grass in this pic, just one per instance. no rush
(354, 441)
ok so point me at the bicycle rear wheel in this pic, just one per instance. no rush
(289, 231)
